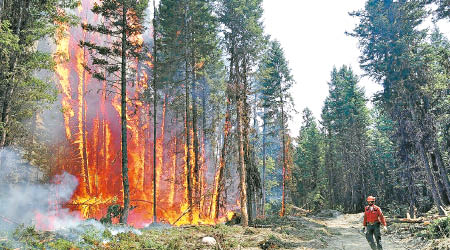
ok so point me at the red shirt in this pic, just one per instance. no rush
(373, 215)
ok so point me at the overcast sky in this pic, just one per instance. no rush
(312, 34)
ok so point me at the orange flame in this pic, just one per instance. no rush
(93, 132)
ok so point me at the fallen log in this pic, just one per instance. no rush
(405, 220)
(263, 226)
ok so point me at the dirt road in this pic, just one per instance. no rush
(349, 237)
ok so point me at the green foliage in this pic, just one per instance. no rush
(345, 121)
(9, 44)
(243, 28)
(273, 83)
(443, 10)
(62, 244)
(439, 229)
(106, 57)
(272, 242)
(30, 237)
(404, 59)
(309, 176)
(272, 182)
(275, 80)
(26, 84)
(91, 238)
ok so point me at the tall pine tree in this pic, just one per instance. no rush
(122, 23)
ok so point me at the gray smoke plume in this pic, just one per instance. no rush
(25, 201)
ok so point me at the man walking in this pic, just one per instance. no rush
(373, 218)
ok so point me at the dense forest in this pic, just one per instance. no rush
(204, 101)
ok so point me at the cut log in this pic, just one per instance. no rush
(405, 220)
(297, 211)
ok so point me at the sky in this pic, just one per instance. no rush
(312, 34)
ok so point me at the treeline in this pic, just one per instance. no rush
(398, 150)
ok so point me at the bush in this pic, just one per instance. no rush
(62, 244)
(439, 228)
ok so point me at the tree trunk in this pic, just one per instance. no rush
(242, 167)
(83, 125)
(155, 95)
(411, 196)
(264, 166)
(430, 178)
(440, 184)
(187, 127)
(283, 199)
(197, 183)
(252, 174)
(442, 171)
(241, 151)
(221, 170)
(126, 186)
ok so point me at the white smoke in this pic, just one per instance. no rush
(25, 201)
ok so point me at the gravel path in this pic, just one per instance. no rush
(349, 237)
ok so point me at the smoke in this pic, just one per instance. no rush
(25, 201)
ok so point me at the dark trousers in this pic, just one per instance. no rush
(374, 230)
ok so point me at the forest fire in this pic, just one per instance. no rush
(92, 128)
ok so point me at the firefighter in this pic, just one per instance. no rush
(373, 218)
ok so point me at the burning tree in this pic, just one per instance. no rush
(122, 26)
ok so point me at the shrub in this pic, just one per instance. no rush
(439, 228)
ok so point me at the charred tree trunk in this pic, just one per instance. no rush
(240, 130)
(197, 184)
(83, 124)
(187, 123)
(126, 186)
(155, 96)
(220, 173)
(242, 167)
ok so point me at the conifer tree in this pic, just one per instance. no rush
(121, 25)
(395, 54)
(308, 174)
(345, 121)
(23, 93)
(243, 40)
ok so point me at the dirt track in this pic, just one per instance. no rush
(349, 237)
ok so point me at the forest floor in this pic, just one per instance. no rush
(326, 230)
